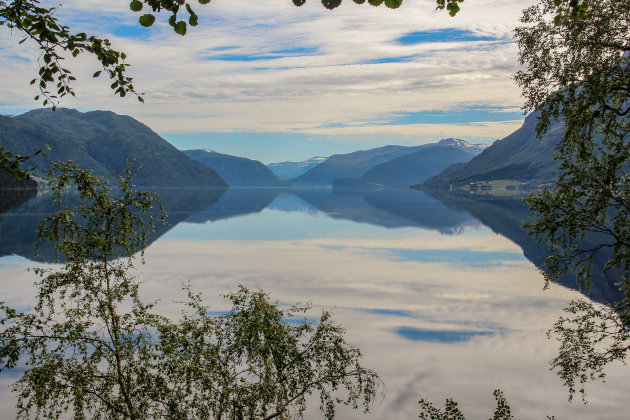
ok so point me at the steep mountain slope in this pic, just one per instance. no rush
(427, 161)
(460, 144)
(415, 167)
(351, 165)
(236, 171)
(519, 156)
(289, 170)
(104, 142)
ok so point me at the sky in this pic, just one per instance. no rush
(273, 82)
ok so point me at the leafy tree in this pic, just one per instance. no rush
(92, 348)
(11, 162)
(55, 40)
(452, 412)
(451, 5)
(576, 69)
(590, 338)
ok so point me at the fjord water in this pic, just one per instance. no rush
(438, 295)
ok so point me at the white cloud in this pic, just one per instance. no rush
(186, 91)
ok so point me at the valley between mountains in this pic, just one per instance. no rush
(105, 142)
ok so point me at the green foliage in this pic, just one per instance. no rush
(252, 363)
(331, 4)
(11, 162)
(146, 20)
(136, 5)
(590, 338)
(80, 352)
(179, 12)
(572, 9)
(90, 348)
(55, 40)
(393, 4)
(502, 412)
(451, 5)
(576, 70)
(452, 412)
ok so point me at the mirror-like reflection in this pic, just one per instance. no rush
(390, 208)
(10, 198)
(18, 225)
(437, 295)
(505, 216)
(236, 202)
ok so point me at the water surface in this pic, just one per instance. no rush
(439, 296)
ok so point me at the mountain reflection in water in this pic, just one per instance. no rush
(435, 293)
(390, 208)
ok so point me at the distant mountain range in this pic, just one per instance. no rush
(104, 142)
(415, 167)
(352, 167)
(519, 156)
(236, 171)
(290, 170)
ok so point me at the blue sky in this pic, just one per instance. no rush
(274, 82)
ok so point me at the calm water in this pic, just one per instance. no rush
(438, 296)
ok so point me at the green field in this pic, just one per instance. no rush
(498, 187)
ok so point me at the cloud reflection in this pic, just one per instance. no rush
(442, 336)
(430, 327)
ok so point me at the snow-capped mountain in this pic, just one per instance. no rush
(463, 145)
(289, 170)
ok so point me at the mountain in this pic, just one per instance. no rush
(104, 142)
(236, 171)
(350, 165)
(409, 169)
(289, 170)
(421, 163)
(418, 166)
(519, 156)
(460, 144)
